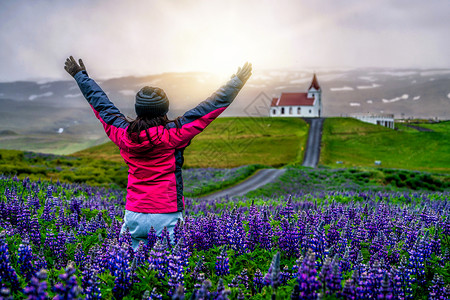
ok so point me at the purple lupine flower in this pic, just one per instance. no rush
(221, 293)
(61, 250)
(297, 265)
(178, 231)
(220, 286)
(266, 233)
(240, 295)
(243, 278)
(288, 210)
(416, 264)
(333, 283)
(176, 273)
(125, 241)
(199, 268)
(318, 243)
(332, 236)
(288, 239)
(92, 290)
(254, 232)
(210, 231)
(158, 259)
(326, 274)
(60, 220)
(363, 289)
(87, 275)
(237, 236)
(153, 295)
(140, 254)
(40, 261)
(385, 291)
(258, 280)
(8, 275)
(24, 220)
(37, 287)
(375, 276)
(5, 294)
(68, 287)
(203, 292)
(199, 279)
(345, 264)
(165, 238)
(49, 192)
(120, 268)
(437, 288)
(47, 213)
(349, 291)
(113, 232)
(285, 275)
(179, 293)
(151, 239)
(27, 269)
(307, 277)
(436, 242)
(274, 270)
(222, 263)
(402, 281)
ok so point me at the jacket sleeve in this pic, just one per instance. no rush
(195, 120)
(112, 119)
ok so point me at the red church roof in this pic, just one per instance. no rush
(293, 99)
(314, 83)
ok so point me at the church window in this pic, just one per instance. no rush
(298, 110)
(309, 111)
(282, 110)
(274, 111)
(290, 110)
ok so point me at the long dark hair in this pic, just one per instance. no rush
(142, 123)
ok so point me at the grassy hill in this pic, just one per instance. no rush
(356, 143)
(232, 142)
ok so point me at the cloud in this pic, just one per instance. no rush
(118, 38)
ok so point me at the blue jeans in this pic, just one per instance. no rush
(139, 225)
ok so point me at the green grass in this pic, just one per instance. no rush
(298, 179)
(66, 169)
(356, 143)
(438, 127)
(48, 143)
(232, 142)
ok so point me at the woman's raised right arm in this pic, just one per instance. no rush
(197, 119)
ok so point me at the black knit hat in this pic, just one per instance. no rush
(151, 102)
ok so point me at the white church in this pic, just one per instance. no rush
(307, 104)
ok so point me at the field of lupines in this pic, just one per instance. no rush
(62, 241)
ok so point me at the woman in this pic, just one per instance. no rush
(152, 146)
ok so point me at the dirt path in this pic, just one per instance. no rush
(312, 152)
(418, 128)
(260, 178)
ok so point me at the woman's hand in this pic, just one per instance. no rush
(245, 72)
(72, 67)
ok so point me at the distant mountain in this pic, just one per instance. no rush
(59, 110)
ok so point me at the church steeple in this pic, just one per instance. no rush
(314, 83)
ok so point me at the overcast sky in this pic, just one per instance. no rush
(139, 37)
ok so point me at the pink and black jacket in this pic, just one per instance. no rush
(155, 184)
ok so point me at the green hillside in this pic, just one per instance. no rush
(232, 142)
(355, 143)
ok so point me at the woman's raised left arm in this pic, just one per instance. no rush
(112, 119)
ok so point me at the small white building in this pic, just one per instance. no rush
(307, 104)
(386, 120)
